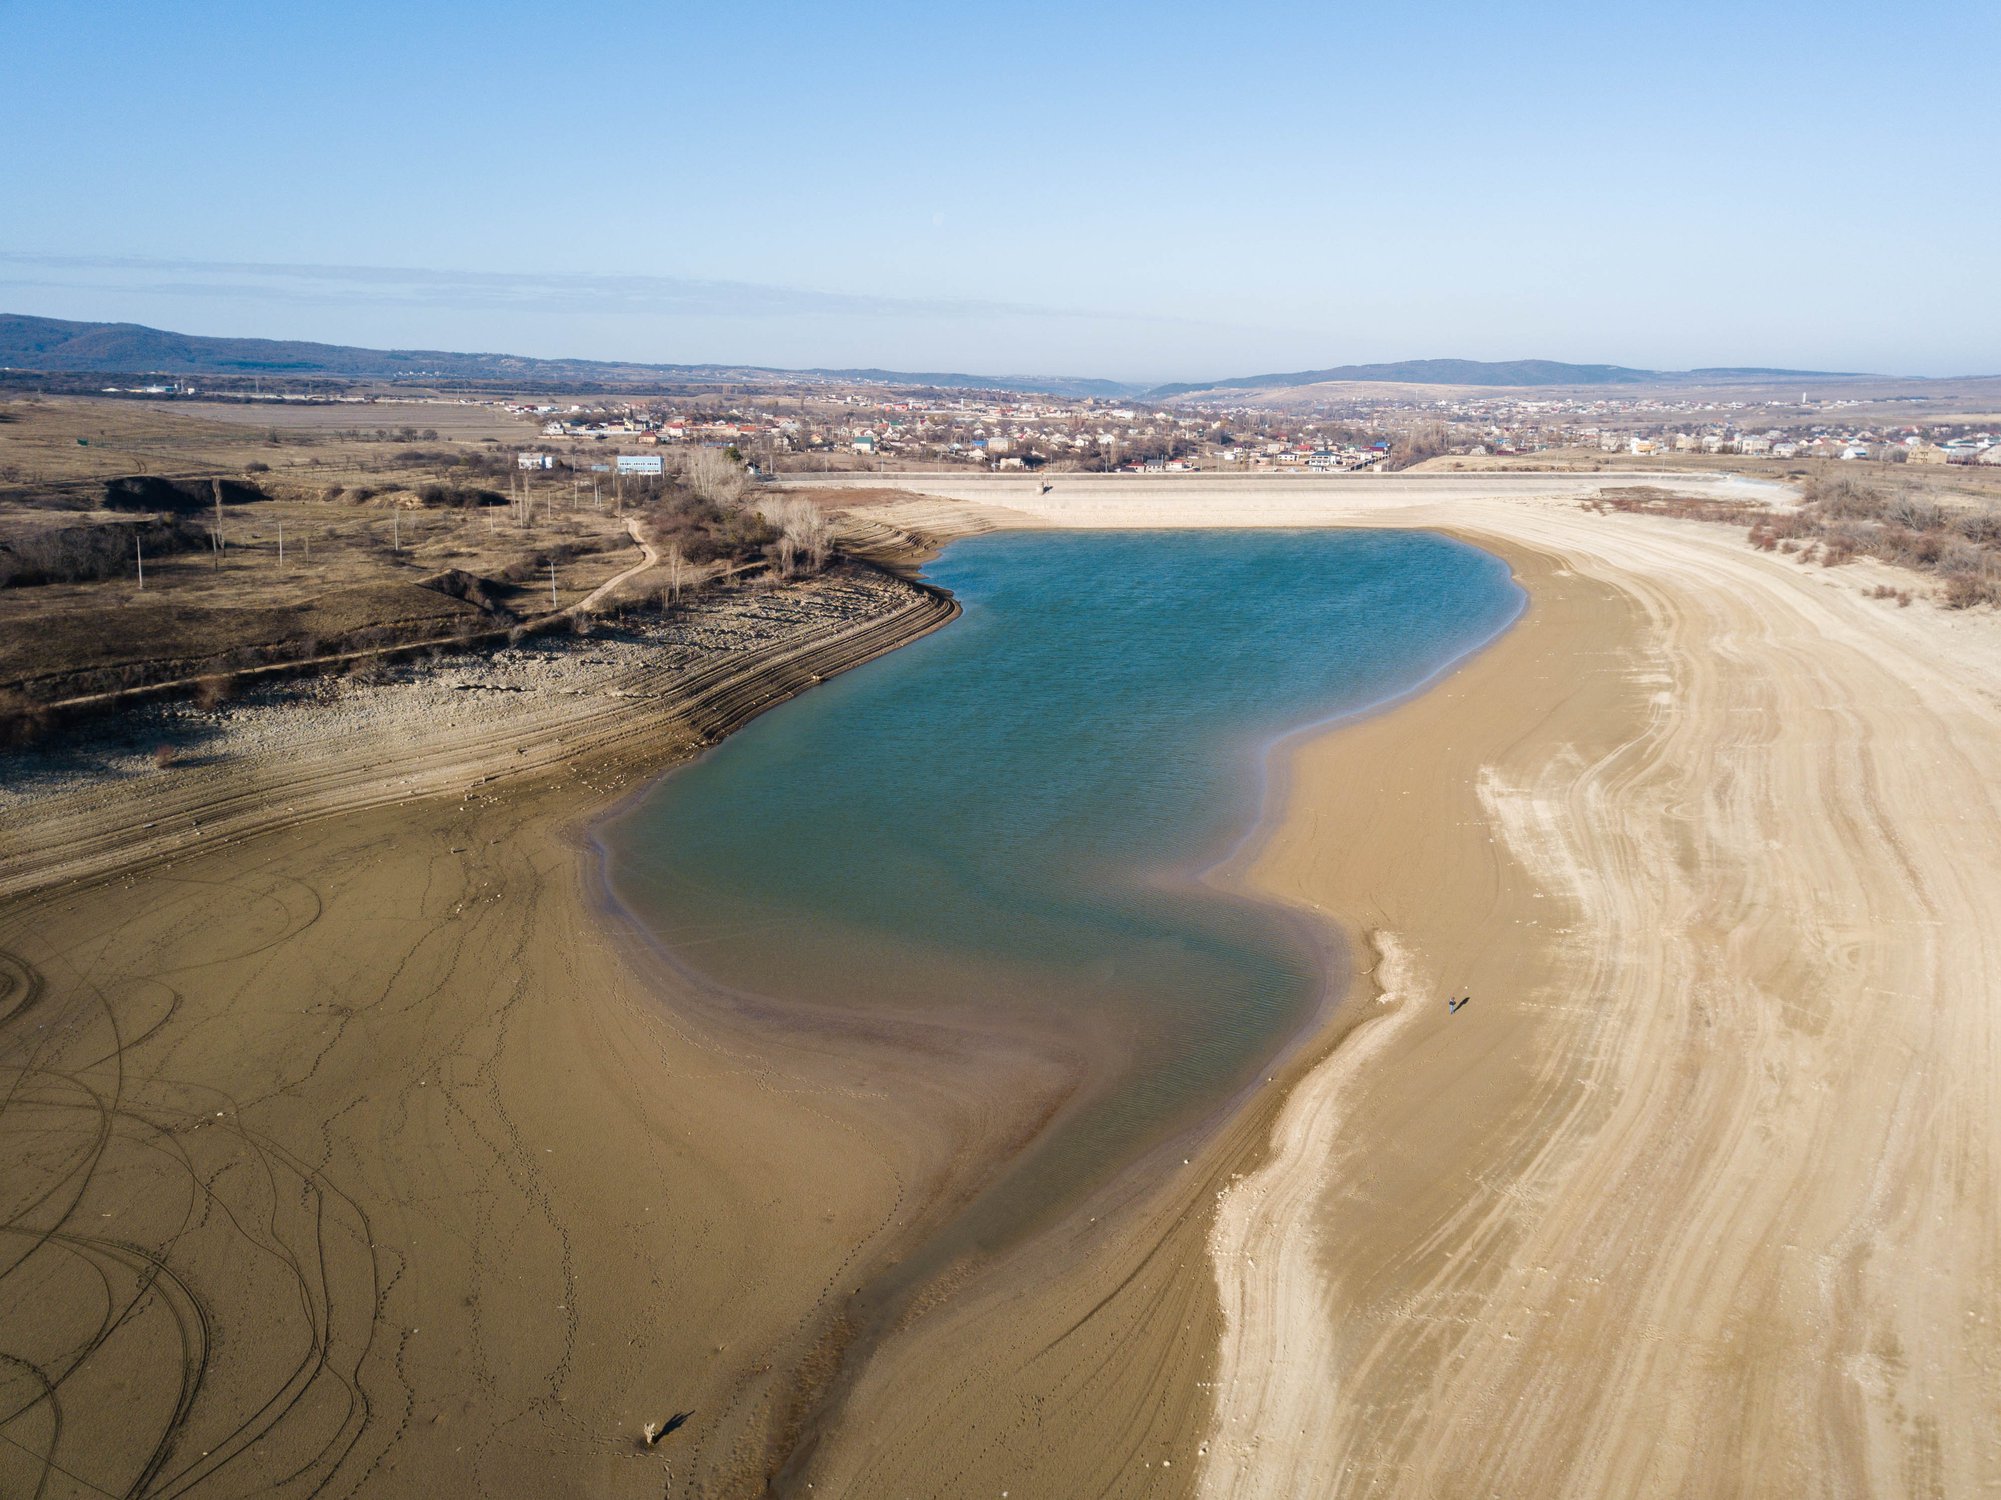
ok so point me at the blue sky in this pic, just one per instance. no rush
(1156, 191)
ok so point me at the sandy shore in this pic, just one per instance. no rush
(1699, 1195)
(358, 1147)
(354, 1146)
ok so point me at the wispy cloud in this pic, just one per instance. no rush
(412, 286)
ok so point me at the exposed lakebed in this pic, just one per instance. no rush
(1012, 815)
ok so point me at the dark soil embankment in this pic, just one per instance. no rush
(176, 496)
(51, 549)
(136, 643)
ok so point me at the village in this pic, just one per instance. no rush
(891, 429)
(792, 425)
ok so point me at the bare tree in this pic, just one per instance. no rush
(714, 475)
(679, 575)
(1421, 441)
(803, 529)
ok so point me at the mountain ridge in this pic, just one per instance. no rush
(57, 345)
(1478, 372)
(71, 347)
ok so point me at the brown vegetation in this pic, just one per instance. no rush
(714, 476)
(705, 530)
(1842, 518)
(1650, 500)
(347, 540)
(214, 690)
(1421, 441)
(805, 533)
(91, 549)
(22, 720)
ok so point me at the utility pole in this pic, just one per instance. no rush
(216, 485)
(139, 551)
(552, 584)
(281, 544)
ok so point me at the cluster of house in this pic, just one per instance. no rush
(1315, 457)
(1909, 446)
(1007, 431)
(622, 463)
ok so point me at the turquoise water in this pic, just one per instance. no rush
(1007, 815)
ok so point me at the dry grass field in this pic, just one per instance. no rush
(342, 527)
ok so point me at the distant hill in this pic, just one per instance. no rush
(55, 345)
(1046, 384)
(1475, 372)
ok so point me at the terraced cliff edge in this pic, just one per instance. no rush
(173, 776)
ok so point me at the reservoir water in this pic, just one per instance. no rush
(1011, 815)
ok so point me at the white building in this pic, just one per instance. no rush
(640, 463)
(535, 460)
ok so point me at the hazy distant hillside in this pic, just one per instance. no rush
(1512, 372)
(52, 344)
(1055, 385)
(131, 348)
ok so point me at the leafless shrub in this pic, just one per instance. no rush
(215, 690)
(1964, 590)
(1842, 517)
(803, 531)
(1916, 513)
(92, 551)
(23, 721)
(714, 476)
(705, 531)
(164, 756)
(679, 576)
(1651, 500)
(1421, 441)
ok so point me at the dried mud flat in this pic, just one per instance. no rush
(351, 1146)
